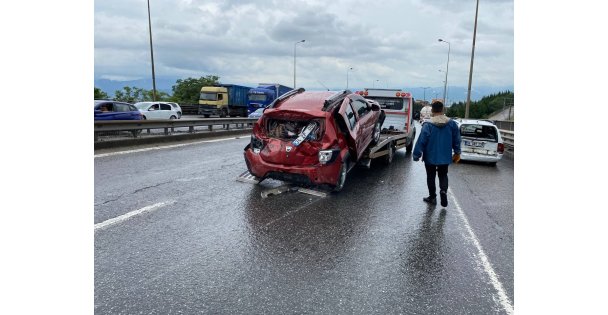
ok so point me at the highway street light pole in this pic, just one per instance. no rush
(447, 68)
(294, 62)
(349, 68)
(151, 55)
(466, 110)
(424, 89)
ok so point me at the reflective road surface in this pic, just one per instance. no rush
(175, 233)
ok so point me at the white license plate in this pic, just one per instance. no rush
(476, 144)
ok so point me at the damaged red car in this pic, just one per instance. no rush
(313, 138)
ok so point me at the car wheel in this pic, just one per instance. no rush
(376, 135)
(223, 113)
(492, 163)
(144, 117)
(388, 158)
(341, 177)
(179, 115)
(172, 117)
(206, 116)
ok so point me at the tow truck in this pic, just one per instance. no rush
(398, 130)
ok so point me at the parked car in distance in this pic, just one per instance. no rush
(177, 108)
(312, 138)
(481, 141)
(257, 113)
(113, 110)
(157, 110)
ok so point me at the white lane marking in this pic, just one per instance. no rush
(129, 215)
(485, 263)
(165, 147)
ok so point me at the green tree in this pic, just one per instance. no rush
(187, 91)
(100, 95)
(483, 108)
(128, 94)
(160, 96)
(132, 94)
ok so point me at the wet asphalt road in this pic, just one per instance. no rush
(210, 244)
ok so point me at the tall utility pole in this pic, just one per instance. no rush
(447, 68)
(151, 55)
(466, 110)
(424, 88)
(294, 62)
(349, 68)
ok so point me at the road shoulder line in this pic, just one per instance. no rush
(164, 147)
(503, 299)
(131, 214)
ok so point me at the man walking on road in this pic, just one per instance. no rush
(438, 138)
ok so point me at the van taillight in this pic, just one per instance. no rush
(501, 148)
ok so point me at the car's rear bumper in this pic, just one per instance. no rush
(310, 174)
(467, 156)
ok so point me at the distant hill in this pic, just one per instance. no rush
(110, 86)
(455, 93)
(485, 107)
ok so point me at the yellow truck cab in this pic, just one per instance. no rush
(223, 100)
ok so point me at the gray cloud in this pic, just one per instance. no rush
(251, 41)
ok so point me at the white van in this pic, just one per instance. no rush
(481, 141)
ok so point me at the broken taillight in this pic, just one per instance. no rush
(501, 148)
(325, 156)
(256, 144)
(328, 156)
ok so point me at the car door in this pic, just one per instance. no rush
(134, 112)
(122, 111)
(105, 113)
(349, 122)
(113, 113)
(153, 111)
(166, 111)
(365, 124)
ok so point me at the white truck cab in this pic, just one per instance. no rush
(398, 130)
(397, 106)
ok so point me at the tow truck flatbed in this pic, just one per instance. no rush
(390, 141)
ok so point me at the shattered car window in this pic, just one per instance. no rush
(479, 132)
(292, 130)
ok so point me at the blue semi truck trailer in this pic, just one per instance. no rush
(264, 94)
(223, 100)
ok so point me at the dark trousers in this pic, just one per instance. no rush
(442, 173)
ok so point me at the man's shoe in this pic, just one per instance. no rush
(444, 198)
(431, 200)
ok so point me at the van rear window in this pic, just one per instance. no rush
(479, 132)
(395, 103)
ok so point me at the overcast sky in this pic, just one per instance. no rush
(387, 43)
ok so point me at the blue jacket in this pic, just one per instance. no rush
(438, 138)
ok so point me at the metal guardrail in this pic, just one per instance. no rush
(508, 138)
(136, 127)
(508, 125)
(189, 109)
